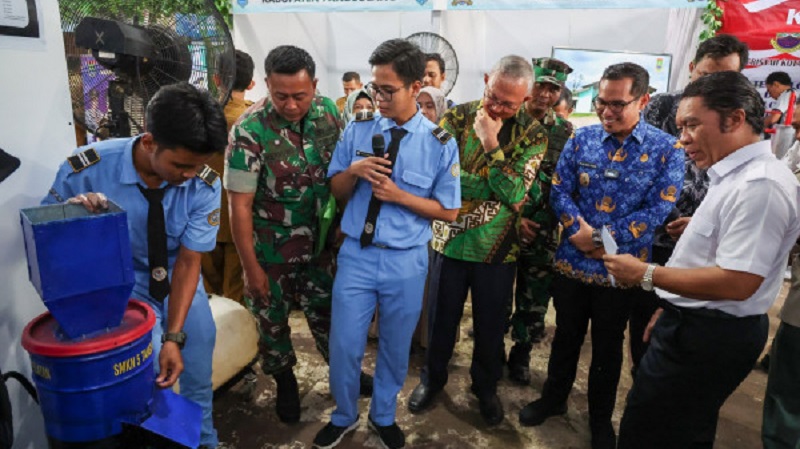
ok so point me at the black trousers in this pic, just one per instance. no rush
(491, 286)
(641, 312)
(695, 361)
(607, 308)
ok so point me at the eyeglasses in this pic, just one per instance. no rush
(385, 93)
(507, 105)
(614, 106)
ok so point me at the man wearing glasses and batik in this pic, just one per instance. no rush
(500, 147)
(623, 175)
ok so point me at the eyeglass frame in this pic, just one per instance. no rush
(500, 104)
(374, 90)
(615, 106)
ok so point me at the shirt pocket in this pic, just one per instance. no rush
(702, 235)
(285, 184)
(417, 184)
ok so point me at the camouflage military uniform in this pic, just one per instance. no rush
(291, 192)
(535, 263)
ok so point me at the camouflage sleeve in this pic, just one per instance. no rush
(511, 176)
(243, 157)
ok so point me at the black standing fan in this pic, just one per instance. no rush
(433, 43)
(120, 52)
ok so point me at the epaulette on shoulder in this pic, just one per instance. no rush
(84, 159)
(208, 175)
(441, 135)
(364, 116)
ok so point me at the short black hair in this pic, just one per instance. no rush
(566, 95)
(288, 60)
(721, 46)
(637, 73)
(244, 71)
(181, 115)
(351, 76)
(780, 77)
(407, 60)
(438, 58)
(725, 92)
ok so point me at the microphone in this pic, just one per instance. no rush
(378, 145)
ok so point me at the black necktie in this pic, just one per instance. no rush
(375, 204)
(156, 243)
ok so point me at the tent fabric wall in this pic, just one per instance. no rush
(683, 37)
(36, 127)
(342, 42)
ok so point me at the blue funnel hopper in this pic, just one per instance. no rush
(81, 265)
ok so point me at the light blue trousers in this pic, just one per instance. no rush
(394, 281)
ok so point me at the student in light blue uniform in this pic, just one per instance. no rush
(384, 258)
(184, 128)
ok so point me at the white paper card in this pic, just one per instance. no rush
(611, 248)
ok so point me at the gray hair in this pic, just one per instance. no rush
(514, 67)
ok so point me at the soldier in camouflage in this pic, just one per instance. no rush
(538, 224)
(282, 212)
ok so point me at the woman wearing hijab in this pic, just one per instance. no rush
(359, 100)
(432, 102)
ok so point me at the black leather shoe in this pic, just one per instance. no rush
(287, 401)
(365, 384)
(421, 398)
(491, 410)
(519, 360)
(538, 411)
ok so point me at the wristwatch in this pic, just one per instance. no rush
(647, 279)
(177, 337)
(597, 238)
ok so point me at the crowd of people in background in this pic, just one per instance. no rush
(392, 205)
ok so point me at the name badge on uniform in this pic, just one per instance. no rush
(364, 154)
(610, 173)
(587, 164)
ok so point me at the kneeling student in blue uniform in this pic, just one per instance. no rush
(172, 201)
(392, 198)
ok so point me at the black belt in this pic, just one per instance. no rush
(702, 312)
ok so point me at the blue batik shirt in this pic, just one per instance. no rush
(628, 188)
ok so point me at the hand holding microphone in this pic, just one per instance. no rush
(374, 169)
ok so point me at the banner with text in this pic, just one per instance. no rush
(268, 6)
(572, 4)
(771, 29)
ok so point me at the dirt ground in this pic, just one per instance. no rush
(249, 421)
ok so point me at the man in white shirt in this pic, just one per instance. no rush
(779, 87)
(722, 278)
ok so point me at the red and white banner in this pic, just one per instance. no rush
(771, 29)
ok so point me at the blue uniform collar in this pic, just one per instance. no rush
(410, 126)
(639, 131)
(128, 173)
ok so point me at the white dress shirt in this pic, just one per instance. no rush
(747, 222)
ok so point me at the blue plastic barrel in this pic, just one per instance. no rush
(89, 387)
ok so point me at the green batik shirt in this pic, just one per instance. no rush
(537, 208)
(487, 227)
(285, 165)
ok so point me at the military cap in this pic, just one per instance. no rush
(550, 70)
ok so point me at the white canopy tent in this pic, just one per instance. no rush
(342, 41)
(37, 121)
